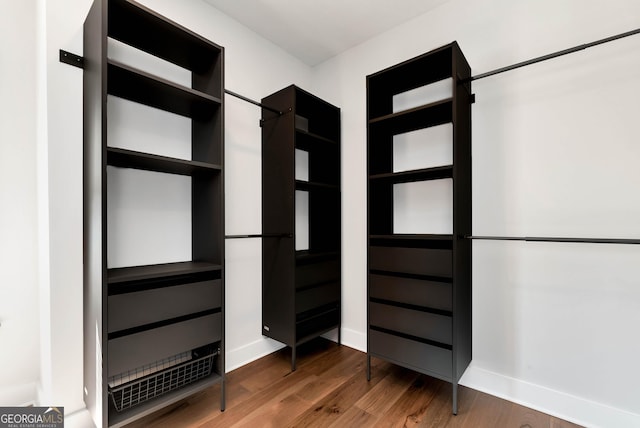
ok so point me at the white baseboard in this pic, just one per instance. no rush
(562, 405)
(243, 355)
(19, 395)
(354, 339)
(238, 357)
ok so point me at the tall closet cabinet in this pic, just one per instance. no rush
(153, 334)
(419, 263)
(300, 217)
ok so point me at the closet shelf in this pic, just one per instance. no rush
(139, 86)
(413, 237)
(139, 273)
(304, 139)
(306, 256)
(125, 158)
(424, 174)
(314, 185)
(138, 26)
(425, 116)
(421, 277)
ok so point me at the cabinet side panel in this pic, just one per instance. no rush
(278, 199)
(278, 162)
(278, 305)
(94, 223)
(462, 213)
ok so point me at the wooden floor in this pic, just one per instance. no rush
(330, 389)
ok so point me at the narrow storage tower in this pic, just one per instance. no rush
(419, 215)
(300, 218)
(153, 333)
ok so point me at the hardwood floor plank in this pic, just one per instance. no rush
(560, 423)
(354, 417)
(278, 390)
(331, 377)
(275, 413)
(409, 408)
(523, 417)
(334, 405)
(489, 411)
(439, 412)
(330, 389)
(379, 400)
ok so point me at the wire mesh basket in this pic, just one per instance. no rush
(143, 389)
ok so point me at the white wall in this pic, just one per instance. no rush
(554, 154)
(19, 315)
(552, 322)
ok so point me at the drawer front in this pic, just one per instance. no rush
(148, 306)
(415, 323)
(317, 324)
(429, 294)
(317, 273)
(420, 261)
(315, 297)
(139, 349)
(418, 356)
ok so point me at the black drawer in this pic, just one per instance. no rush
(317, 296)
(317, 273)
(429, 294)
(149, 306)
(317, 324)
(418, 356)
(408, 321)
(139, 349)
(419, 261)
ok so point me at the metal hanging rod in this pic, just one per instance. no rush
(555, 55)
(565, 240)
(249, 100)
(263, 235)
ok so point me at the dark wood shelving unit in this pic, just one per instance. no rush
(124, 158)
(300, 289)
(144, 88)
(168, 315)
(419, 285)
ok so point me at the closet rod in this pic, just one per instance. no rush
(263, 235)
(554, 55)
(249, 100)
(548, 239)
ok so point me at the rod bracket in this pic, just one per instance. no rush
(71, 59)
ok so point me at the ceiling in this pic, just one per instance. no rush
(316, 30)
